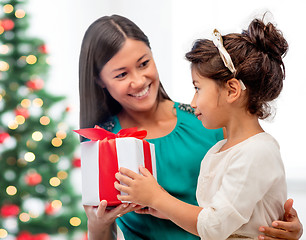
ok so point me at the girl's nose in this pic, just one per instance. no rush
(193, 102)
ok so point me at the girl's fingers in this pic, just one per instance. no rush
(123, 198)
(128, 173)
(121, 187)
(124, 179)
(144, 171)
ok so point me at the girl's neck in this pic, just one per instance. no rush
(241, 128)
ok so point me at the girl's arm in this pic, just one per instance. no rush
(144, 190)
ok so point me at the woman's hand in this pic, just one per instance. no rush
(291, 228)
(101, 222)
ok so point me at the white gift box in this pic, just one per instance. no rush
(100, 160)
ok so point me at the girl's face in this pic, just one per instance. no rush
(131, 77)
(208, 101)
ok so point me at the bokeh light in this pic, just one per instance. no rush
(75, 221)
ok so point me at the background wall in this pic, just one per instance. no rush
(172, 26)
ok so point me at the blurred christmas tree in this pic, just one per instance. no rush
(37, 199)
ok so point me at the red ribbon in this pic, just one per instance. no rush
(98, 133)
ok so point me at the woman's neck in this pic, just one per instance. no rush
(158, 121)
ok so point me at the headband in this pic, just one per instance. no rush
(226, 58)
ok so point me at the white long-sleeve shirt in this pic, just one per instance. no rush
(241, 188)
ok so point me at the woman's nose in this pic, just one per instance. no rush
(138, 80)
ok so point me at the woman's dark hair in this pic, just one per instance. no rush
(102, 40)
(257, 56)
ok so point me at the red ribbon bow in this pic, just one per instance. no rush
(97, 133)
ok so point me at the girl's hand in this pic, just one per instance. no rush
(151, 211)
(291, 228)
(101, 222)
(141, 189)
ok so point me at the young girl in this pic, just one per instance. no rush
(242, 180)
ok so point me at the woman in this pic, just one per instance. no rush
(120, 88)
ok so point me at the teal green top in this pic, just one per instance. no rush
(178, 158)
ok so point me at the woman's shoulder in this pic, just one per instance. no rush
(185, 108)
(108, 124)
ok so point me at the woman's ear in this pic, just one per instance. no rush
(99, 81)
(233, 90)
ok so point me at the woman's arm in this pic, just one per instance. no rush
(101, 222)
(144, 190)
(291, 228)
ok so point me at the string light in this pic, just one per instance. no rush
(61, 134)
(29, 157)
(53, 158)
(4, 66)
(4, 49)
(31, 59)
(21, 162)
(3, 233)
(75, 221)
(57, 204)
(20, 119)
(26, 103)
(62, 175)
(62, 230)
(38, 102)
(57, 142)
(13, 125)
(24, 217)
(37, 136)
(44, 120)
(11, 190)
(20, 13)
(54, 182)
(8, 8)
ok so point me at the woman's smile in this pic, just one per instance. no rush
(143, 93)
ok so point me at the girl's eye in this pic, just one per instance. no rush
(121, 75)
(145, 63)
(196, 89)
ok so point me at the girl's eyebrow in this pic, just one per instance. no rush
(123, 68)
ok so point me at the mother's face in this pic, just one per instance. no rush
(131, 77)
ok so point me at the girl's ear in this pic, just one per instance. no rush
(233, 90)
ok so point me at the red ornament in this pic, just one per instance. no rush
(7, 24)
(76, 162)
(50, 210)
(68, 109)
(9, 210)
(23, 112)
(25, 235)
(33, 179)
(3, 136)
(35, 84)
(43, 49)
(41, 236)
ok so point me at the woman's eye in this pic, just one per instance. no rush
(145, 63)
(196, 89)
(121, 75)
